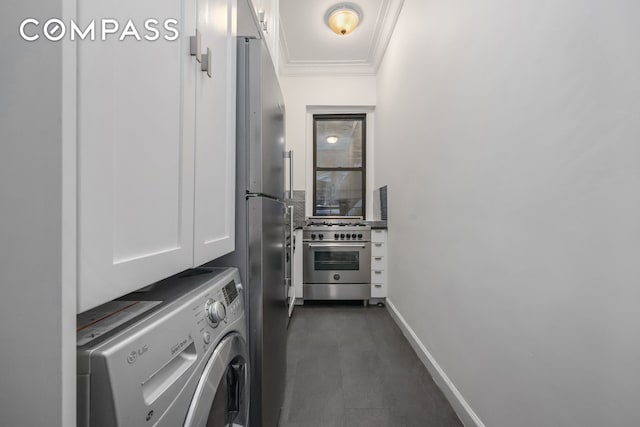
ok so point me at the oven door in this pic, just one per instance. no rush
(337, 262)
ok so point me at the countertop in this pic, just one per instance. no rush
(377, 225)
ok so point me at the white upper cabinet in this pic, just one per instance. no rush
(215, 134)
(268, 13)
(156, 146)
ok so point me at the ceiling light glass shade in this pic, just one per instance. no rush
(343, 20)
(332, 139)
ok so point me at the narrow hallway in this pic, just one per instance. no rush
(348, 365)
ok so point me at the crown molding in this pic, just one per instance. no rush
(383, 35)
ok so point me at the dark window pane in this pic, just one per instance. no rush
(339, 193)
(337, 261)
(339, 144)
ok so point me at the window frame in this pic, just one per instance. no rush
(328, 117)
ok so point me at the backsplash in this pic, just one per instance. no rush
(380, 203)
(298, 203)
(383, 202)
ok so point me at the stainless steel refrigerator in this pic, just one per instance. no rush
(261, 228)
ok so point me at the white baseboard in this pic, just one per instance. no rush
(462, 408)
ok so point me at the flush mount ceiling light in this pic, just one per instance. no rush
(343, 18)
(332, 139)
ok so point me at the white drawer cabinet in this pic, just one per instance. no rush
(378, 276)
(379, 235)
(156, 147)
(378, 249)
(378, 263)
(378, 290)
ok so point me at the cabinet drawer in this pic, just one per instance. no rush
(378, 249)
(379, 236)
(378, 262)
(378, 290)
(378, 276)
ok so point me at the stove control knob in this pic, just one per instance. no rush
(342, 236)
(320, 236)
(353, 235)
(313, 236)
(348, 236)
(216, 312)
(336, 235)
(360, 236)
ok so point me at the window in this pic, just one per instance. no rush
(339, 164)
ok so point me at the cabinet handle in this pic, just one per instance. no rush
(378, 244)
(377, 271)
(195, 45)
(377, 285)
(332, 245)
(377, 258)
(206, 62)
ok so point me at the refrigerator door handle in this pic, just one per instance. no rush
(289, 155)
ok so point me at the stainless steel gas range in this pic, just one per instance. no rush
(337, 258)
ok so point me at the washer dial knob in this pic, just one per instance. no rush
(216, 312)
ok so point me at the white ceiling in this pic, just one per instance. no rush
(308, 46)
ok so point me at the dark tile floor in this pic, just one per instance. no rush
(350, 366)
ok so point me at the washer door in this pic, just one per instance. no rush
(222, 396)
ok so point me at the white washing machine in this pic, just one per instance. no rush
(172, 354)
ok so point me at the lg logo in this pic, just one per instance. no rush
(133, 356)
(55, 30)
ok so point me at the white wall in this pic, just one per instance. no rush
(509, 136)
(37, 222)
(306, 95)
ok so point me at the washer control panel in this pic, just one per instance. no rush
(221, 307)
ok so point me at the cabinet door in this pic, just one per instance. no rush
(136, 121)
(270, 28)
(214, 233)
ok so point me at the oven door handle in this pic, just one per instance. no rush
(338, 245)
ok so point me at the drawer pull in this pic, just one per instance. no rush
(378, 244)
(377, 271)
(377, 258)
(377, 285)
